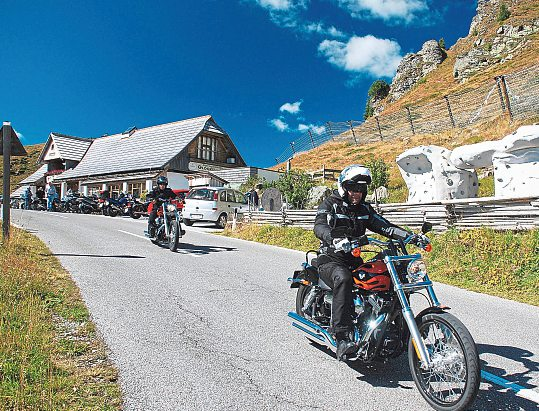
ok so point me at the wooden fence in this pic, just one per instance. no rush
(501, 214)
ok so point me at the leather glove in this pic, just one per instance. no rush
(342, 244)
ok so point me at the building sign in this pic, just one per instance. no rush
(203, 167)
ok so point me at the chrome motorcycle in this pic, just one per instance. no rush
(168, 228)
(442, 354)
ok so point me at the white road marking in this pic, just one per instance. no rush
(59, 216)
(134, 235)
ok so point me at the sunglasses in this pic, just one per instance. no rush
(354, 187)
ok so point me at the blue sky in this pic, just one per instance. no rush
(265, 69)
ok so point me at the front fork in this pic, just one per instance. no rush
(419, 345)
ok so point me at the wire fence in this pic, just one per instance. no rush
(515, 94)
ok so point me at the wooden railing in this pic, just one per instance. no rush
(500, 214)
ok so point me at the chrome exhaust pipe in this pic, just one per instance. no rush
(312, 330)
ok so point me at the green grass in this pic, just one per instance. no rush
(50, 355)
(501, 263)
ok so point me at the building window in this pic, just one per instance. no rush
(115, 190)
(136, 189)
(207, 146)
(94, 190)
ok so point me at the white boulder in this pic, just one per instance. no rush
(516, 174)
(431, 176)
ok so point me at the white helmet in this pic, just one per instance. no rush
(354, 174)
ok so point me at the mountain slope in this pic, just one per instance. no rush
(22, 167)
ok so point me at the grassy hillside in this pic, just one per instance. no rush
(22, 167)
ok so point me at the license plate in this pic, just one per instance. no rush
(196, 216)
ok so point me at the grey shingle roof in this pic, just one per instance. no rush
(71, 148)
(68, 147)
(32, 178)
(147, 148)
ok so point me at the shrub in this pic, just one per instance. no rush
(295, 188)
(369, 111)
(380, 173)
(503, 13)
(441, 43)
(378, 89)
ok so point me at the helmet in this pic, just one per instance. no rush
(162, 180)
(354, 174)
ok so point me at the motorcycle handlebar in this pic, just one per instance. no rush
(419, 240)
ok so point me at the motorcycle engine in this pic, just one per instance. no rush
(392, 344)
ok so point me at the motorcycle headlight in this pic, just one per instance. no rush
(417, 270)
(171, 207)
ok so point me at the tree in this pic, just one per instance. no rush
(441, 43)
(378, 91)
(503, 13)
(295, 188)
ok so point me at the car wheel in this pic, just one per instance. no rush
(221, 221)
(187, 222)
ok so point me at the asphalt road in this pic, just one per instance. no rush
(206, 328)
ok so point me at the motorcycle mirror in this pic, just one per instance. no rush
(426, 227)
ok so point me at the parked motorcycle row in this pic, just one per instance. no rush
(93, 204)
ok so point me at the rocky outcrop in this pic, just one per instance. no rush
(487, 49)
(415, 66)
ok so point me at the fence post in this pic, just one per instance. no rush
(500, 94)
(352, 129)
(293, 149)
(311, 137)
(450, 215)
(410, 119)
(323, 173)
(449, 111)
(506, 95)
(328, 126)
(379, 129)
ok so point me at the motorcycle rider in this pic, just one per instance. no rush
(157, 193)
(346, 207)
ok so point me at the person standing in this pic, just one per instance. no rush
(51, 195)
(27, 198)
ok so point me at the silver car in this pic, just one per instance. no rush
(213, 204)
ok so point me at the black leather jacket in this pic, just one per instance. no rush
(335, 212)
(157, 193)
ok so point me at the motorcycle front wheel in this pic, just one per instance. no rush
(452, 381)
(135, 212)
(174, 236)
(112, 212)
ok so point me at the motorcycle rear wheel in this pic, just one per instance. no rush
(174, 236)
(112, 212)
(135, 212)
(452, 383)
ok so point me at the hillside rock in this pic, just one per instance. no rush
(413, 67)
(488, 50)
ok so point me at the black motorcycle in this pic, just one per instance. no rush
(442, 355)
(38, 204)
(88, 204)
(168, 229)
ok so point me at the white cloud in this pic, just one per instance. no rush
(279, 124)
(291, 108)
(320, 28)
(312, 127)
(369, 55)
(275, 4)
(387, 10)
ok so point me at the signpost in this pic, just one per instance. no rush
(9, 146)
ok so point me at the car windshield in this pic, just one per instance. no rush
(201, 194)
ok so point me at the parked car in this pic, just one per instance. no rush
(213, 204)
(179, 201)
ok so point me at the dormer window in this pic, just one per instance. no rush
(129, 132)
(207, 147)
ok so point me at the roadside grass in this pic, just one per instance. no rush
(500, 263)
(51, 357)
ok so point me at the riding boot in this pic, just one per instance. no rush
(345, 346)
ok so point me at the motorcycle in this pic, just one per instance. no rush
(136, 208)
(38, 204)
(168, 228)
(88, 205)
(112, 207)
(442, 354)
(71, 203)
